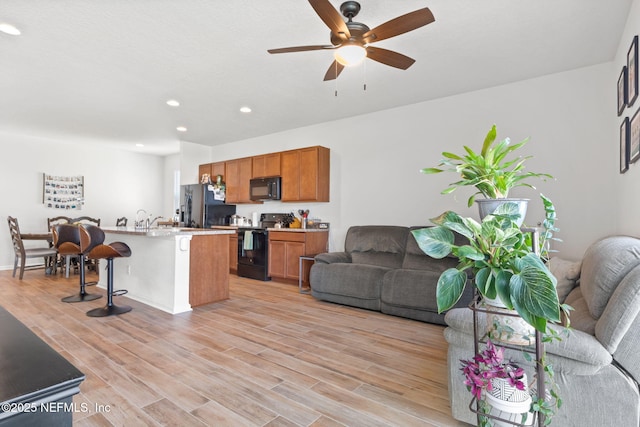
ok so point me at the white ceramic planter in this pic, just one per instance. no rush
(509, 403)
(506, 325)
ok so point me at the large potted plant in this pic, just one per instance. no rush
(499, 260)
(490, 172)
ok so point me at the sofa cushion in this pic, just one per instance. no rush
(567, 273)
(410, 289)
(580, 316)
(604, 265)
(416, 259)
(350, 284)
(381, 245)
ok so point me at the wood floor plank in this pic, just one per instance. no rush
(268, 356)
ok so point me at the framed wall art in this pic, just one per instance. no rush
(63, 192)
(632, 72)
(622, 90)
(634, 138)
(624, 145)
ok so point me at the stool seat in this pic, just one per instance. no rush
(70, 239)
(108, 252)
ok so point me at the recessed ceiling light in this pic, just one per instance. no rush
(245, 109)
(173, 103)
(181, 129)
(9, 29)
(139, 145)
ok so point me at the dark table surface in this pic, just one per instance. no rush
(30, 370)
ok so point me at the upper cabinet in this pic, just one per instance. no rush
(304, 172)
(305, 175)
(238, 175)
(266, 165)
(213, 170)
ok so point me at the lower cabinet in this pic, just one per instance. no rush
(286, 248)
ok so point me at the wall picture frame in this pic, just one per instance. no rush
(624, 145)
(622, 90)
(634, 138)
(632, 72)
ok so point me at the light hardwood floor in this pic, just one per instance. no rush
(268, 356)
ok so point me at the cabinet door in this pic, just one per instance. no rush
(277, 258)
(217, 169)
(294, 250)
(237, 180)
(202, 169)
(266, 165)
(290, 166)
(305, 175)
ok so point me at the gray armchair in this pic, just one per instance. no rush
(597, 365)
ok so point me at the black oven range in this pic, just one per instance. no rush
(253, 246)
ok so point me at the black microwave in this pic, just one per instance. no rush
(265, 188)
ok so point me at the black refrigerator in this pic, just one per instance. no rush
(200, 209)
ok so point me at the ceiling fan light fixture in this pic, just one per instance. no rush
(350, 54)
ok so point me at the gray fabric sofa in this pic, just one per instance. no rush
(598, 365)
(382, 268)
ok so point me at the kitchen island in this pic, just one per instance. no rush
(172, 269)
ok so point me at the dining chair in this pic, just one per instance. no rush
(121, 222)
(22, 254)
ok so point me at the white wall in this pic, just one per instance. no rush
(376, 158)
(627, 186)
(116, 182)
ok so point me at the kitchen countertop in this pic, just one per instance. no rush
(293, 230)
(166, 231)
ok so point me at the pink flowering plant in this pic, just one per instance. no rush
(489, 364)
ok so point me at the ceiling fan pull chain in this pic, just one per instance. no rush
(364, 75)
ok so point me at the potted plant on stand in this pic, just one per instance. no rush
(490, 172)
(504, 265)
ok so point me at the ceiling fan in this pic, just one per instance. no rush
(352, 40)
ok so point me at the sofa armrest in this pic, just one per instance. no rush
(578, 352)
(333, 258)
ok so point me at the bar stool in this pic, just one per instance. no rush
(73, 240)
(108, 252)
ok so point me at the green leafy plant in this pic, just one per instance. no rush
(489, 171)
(499, 259)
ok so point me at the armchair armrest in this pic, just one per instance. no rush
(333, 258)
(578, 353)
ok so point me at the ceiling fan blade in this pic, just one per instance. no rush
(399, 25)
(300, 48)
(334, 71)
(331, 17)
(389, 57)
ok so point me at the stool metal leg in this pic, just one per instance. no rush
(110, 309)
(83, 295)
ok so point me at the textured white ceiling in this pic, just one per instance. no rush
(101, 70)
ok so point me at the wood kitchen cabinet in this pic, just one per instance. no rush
(212, 169)
(238, 175)
(305, 175)
(286, 248)
(266, 165)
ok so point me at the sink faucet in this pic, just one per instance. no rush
(140, 221)
(155, 219)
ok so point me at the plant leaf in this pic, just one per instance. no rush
(437, 242)
(449, 288)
